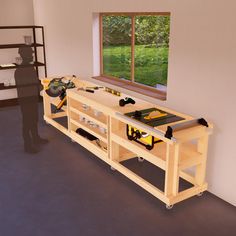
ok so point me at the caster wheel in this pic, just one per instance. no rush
(72, 140)
(200, 194)
(140, 159)
(46, 123)
(168, 207)
(113, 169)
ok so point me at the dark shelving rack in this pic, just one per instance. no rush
(35, 64)
(4, 46)
(34, 45)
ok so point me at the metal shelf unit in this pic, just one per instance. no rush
(36, 63)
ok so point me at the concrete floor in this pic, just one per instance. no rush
(66, 191)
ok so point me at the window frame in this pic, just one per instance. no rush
(133, 86)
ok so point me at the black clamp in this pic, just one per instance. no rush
(125, 101)
(169, 132)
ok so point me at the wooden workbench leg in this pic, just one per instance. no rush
(114, 147)
(176, 170)
(46, 105)
(115, 152)
(68, 113)
(109, 141)
(201, 168)
(172, 171)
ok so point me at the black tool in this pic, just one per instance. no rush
(85, 134)
(90, 137)
(137, 115)
(141, 114)
(125, 101)
(86, 90)
(95, 88)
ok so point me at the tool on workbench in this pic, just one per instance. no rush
(125, 101)
(152, 117)
(86, 90)
(57, 88)
(155, 117)
(113, 91)
(90, 89)
(141, 137)
(95, 87)
(90, 137)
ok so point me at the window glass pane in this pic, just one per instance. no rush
(151, 49)
(117, 46)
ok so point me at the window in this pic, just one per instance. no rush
(134, 48)
(117, 46)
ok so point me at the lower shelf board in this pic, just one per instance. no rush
(93, 131)
(101, 119)
(187, 193)
(140, 181)
(141, 151)
(157, 156)
(125, 154)
(91, 146)
(154, 185)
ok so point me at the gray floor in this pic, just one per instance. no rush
(65, 190)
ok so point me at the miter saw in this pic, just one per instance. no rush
(57, 88)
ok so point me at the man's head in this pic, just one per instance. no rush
(26, 53)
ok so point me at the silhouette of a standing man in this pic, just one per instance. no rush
(28, 92)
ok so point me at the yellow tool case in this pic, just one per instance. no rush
(152, 117)
(141, 137)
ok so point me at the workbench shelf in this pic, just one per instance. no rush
(181, 156)
(84, 116)
(90, 145)
(189, 155)
(170, 157)
(92, 130)
(156, 156)
(89, 112)
(89, 116)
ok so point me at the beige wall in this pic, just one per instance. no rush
(202, 71)
(16, 12)
(13, 12)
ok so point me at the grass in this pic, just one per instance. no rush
(151, 63)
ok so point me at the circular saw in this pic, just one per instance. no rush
(57, 88)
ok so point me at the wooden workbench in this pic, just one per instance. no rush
(99, 114)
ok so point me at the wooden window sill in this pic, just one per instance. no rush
(134, 87)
